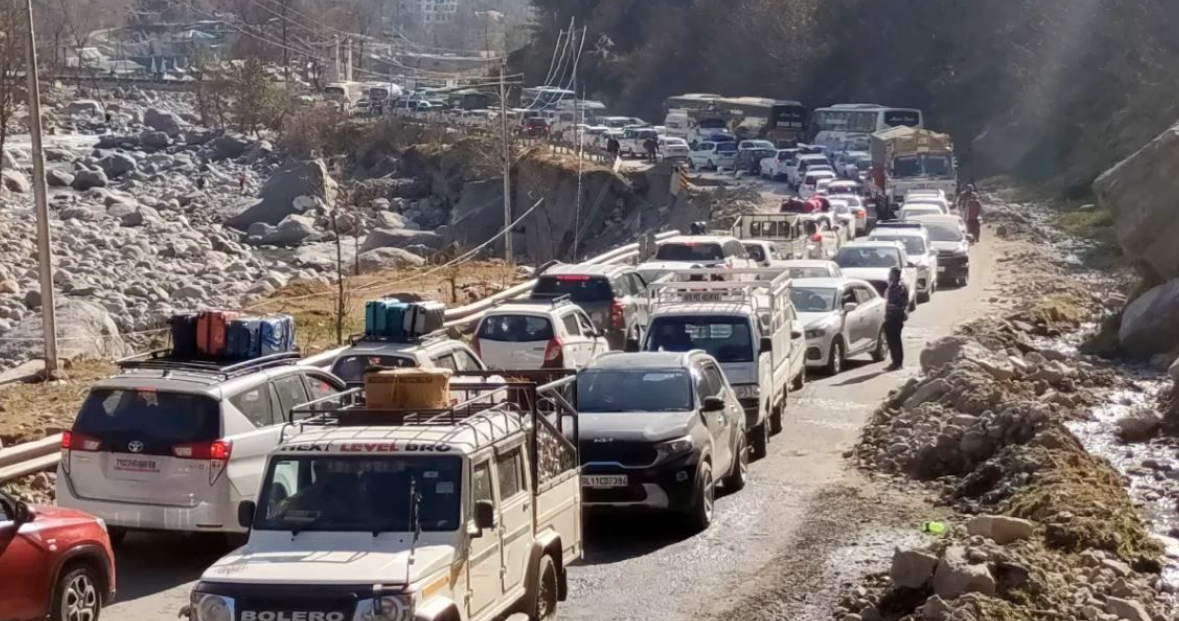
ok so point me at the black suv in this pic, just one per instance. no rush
(614, 296)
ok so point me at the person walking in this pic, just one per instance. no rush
(974, 216)
(896, 312)
(613, 147)
(652, 148)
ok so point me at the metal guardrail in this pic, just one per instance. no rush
(30, 457)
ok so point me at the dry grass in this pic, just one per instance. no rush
(314, 307)
(33, 411)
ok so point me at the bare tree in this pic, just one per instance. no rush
(13, 25)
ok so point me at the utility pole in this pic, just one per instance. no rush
(503, 120)
(44, 256)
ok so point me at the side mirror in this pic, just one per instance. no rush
(245, 513)
(712, 404)
(484, 515)
(910, 264)
(850, 306)
(23, 514)
(766, 345)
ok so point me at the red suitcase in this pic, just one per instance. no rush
(212, 330)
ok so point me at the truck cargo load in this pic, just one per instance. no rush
(909, 158)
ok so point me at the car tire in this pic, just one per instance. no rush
(835, 358)
(700, 515)
(913, 304)
(880, 352)
(922, 298)
(711, 165)
(759, 440)
(545, 606)
(739, 476)
(799, 380)
(77, 596)
(776, 418)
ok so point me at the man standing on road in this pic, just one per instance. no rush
(974, 216)
(613, 147)
(651, 147)
(896, 311)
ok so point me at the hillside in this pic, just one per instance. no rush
(1052, 90)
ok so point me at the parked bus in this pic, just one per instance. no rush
(782, 121)
(346, 94)
(544, 96)
(848, 127)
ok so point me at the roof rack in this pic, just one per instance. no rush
(162, 360)
(364, 337)
(771, 282)
(899, 224)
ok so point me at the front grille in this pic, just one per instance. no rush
(340, 607)
(617, 451)
(612, 495)
(813, 353)
(880, 285)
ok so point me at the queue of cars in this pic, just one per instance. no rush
(678, 371)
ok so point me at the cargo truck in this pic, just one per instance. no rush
(909, 158)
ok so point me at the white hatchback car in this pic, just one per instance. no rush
(538, 335)
(842, 318)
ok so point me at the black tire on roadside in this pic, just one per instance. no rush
(776, 416)
(759, 440)
(546, 590)
(77, 596)
(700, 515)
(739, 476)
(799, 380)
(835, 358)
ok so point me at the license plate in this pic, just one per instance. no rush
(136, 464)
(941, 268)
(604, 481)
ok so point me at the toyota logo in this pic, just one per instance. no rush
(135, 446)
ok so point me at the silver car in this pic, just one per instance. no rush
(843, 317)
(175, 445)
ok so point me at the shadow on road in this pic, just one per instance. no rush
(861, 379)
(616, 537)
(149, 563)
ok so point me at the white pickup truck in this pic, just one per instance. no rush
(749, 326)
(470, 513)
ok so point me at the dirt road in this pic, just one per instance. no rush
(772, 549)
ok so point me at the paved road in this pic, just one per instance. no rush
(641, 568)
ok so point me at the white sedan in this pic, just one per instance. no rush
(842, 318)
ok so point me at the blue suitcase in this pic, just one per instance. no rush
(384, 318)
(277, 335)
(242, 339)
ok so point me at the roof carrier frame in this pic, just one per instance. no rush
(162, 360)
(429, 337)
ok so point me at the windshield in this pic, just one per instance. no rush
(809, 272)
(756, 252)
(360, 494)
(807, 300)
(634, 390)
(727, 339)
(690, 252)
(851, 257)
(157, 419)
(914, 246)
(516, 328)
(906, 166)
(351, 368)
(924, 210)
(712, 124)
(579, 288)
(937, 165)
(943, 231)
(726, 146)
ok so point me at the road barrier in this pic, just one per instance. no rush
(30, 457)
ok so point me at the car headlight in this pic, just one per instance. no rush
(747, 391)
(211, 607)
(675, 447)
(386, 608)
(816, 333)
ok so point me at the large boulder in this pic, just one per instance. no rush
(226, 147)
(298, 178)
(912, 568)
(955, 575)
(479, 213)
(116, 165)
(15, 181)
(402, 238)
(387, 258)
(84, 107)
(57, 178)
(164, 121)
(292, 231)
(155, 139)
(1150, 324)
(84, 330)
(1001, 528)
(1142, 194)
(86, 179)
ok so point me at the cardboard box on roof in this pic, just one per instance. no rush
(407, 389)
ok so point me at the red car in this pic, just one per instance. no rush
(54, 563)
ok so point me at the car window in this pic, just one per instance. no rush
(291, 392)
(516, 328)
(507, 467)
(638, 284)
(481, 483)
(713, 380)
(587, 326)
(319, 387)
(621, 287)
(255, 405)
(445, 361)
(848, 297)
(865, 295)
(734, 249)
(701, 385)
(466, 361)
(571, 326)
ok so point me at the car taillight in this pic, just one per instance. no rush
(475, 346)
(616, 315)
(554, 355)
(216, 452)
(71, 441)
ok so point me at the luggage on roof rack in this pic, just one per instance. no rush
(164, 360)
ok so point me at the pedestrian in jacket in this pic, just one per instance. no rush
(896, 312)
